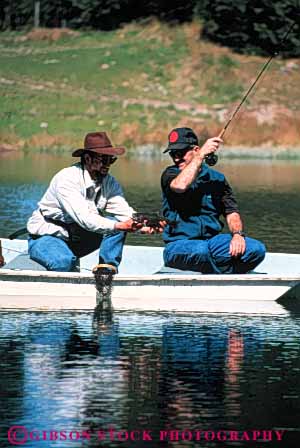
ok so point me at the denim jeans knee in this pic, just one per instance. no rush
(226, 264)
(52, 253)
(188, 255)
(253, 256)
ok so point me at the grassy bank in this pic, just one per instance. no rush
(137, 83)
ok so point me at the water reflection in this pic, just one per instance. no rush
(67, 372)
(268, 193)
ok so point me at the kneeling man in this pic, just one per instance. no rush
(83, 209)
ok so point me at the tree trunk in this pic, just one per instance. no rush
(7, 18)
(37, 14)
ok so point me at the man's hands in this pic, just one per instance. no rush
(128, 226)
(152, 222)
(132, 225)
(237, 245)
(150, 230)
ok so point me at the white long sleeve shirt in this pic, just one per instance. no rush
(73, 196)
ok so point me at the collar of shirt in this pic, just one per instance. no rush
(92, 187)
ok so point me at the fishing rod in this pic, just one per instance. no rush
(211, 159)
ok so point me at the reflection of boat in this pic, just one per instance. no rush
(143, 284)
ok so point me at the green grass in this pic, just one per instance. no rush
(86, 81)
(104, 67)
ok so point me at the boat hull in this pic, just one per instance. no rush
(148, 286)
(203, 293)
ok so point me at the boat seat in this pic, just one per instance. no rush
(166, 270)
(23, 261)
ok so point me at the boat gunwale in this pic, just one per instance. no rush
(193, 279)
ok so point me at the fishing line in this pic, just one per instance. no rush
(242, 112)
(264, 68)
(212, 159)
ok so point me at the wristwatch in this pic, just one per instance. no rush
(239, 232)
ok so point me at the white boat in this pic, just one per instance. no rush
(144, 284)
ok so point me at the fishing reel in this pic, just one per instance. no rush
(211, 159)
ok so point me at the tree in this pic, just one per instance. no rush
(252, 26)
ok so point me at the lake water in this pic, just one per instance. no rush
(212, 380)
(75, 380)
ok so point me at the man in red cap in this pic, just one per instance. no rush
(194, 198)
(69, 222)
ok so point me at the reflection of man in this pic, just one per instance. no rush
(194, 198)
(70, 221)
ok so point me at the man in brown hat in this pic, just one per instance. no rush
(70, 223)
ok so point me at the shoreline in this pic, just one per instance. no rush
(226, 152)
(154, 152)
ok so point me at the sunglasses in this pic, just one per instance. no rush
(106, 159)
(178, 153)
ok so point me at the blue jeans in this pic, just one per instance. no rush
(55, 254)
(212, 256)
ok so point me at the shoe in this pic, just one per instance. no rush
(104, 268)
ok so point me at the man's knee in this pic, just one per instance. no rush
(254, 255)
(256, 250)
(168, 256)
(219, 245)
(52, 253)
(187, 255)
(62, 263)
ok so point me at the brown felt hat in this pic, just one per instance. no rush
(98, 142)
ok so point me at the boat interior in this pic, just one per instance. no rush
(142, 260)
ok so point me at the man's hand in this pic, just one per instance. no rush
(150, 230)
(210, 146)
(190, 164)
(128, 226)
(150, 224)
(237, 245)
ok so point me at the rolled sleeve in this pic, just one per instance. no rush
(229, 203)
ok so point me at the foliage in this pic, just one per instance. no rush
(253, 26)
(97, 14)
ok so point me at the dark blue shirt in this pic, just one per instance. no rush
(195, 214)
